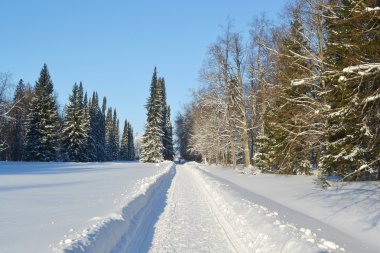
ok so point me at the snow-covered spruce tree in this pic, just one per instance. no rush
(75, 127)
(87, 126)
(123, 153)
(151, 149)
(353, 140)
(42, 138)
(116, 136)
(131, 144)
(96, 137)
(110, 138)
(167, 138)
(291, 116)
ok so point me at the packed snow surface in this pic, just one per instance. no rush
(345, 217)
(132, 207)
(48, 207)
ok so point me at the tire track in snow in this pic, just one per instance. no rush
(191, 221)
(228, 230)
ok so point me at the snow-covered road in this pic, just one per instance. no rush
(191, 221)
(132, 207)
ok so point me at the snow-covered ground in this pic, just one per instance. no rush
(132, 207)
(47, 207)
(347, 216)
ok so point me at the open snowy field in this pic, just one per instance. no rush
(132, 207)
(46, 207)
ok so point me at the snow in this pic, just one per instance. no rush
(51, 207)
(368, 67)
(372, 9)
(132, 207)
(347, 215)
(298, 82)
(372, 98)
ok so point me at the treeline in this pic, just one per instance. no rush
(295, 97)
(32, 128)
(157, 141)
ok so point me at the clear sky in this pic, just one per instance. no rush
(112, 46)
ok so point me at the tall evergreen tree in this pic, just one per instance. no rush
(42, 137)
(123, 154)
(131, 145)
(109, 135)
(168, 137)
(96, 140)
(151, 150)
(75, 127)
(353, 140)
(116, 136)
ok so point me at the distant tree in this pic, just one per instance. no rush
(110, 138)
(152, 148)
(123, 155)
(96, 137)
(168, 137)
(116, 136)
(183, 131)
(131, 144)
(75, 132)
(42, 125)
(127, 149)
(5, 109)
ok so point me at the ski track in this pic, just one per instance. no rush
(187, 209)
(191, 221)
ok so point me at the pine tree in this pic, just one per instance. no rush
(168, 137)
(352, 146)
(42, 137)
(127, 148)
(151, 150)
(123, 155)
(96, 139)
(75, 127)
(284, 147)
(131, 145)
(116, 137)
(87, 126)
(109, 135)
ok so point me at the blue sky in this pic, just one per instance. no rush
(113, 46)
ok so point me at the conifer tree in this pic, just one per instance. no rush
(116, 136)
(87, 126)
(151, 150)
(168, 137)
(131, 145)
(123, 155)
(352, 146)
(109, 135)
(42, 137)
(75, 127)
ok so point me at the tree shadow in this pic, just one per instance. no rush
(361, 197)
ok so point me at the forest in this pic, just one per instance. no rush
(292, 98)
(33, 128)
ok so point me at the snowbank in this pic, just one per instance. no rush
(121, 233)
(76, 207)
(290, 214)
